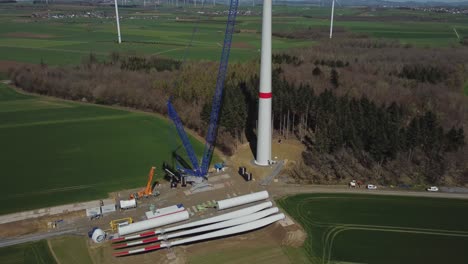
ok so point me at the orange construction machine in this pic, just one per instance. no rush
(150, 188)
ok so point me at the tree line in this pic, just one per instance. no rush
(359, 100)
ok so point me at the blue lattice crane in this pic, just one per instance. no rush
(202, 170)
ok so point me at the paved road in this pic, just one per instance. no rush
(278, 190)
(55, 210)
(35, 237)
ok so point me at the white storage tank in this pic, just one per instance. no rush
(152, 223)
(241, 200)
(127, 204)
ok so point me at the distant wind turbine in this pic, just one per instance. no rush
(331, 21)
(332, 14)
(117, 19)
(456, 33)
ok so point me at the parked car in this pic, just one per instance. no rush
(432, 189)
(371, 187)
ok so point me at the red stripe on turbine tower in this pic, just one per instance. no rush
(265, 95)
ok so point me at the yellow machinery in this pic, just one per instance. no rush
(114, 224)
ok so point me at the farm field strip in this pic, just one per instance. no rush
(56, 152)
(33, 252)
(80, 36)
(335, 231)
(99, 118)
(303, 203)
(324, 230)
(29, 105)
(34, 43)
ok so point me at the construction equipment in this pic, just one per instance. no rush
(197, 170)
(171, 174)
(114, 224)
(149, 190)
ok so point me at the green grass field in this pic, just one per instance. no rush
(164, 36)
(27, 253)
(381, 229)
(166, 31)
(56, 152)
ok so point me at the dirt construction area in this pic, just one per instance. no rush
(269, 245)
(278, 243)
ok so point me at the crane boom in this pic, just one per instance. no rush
(148, 189)
(218, 96)
(217, 101)
(183, 136)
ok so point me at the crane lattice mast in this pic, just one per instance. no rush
(217, 101)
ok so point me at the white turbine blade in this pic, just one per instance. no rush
(220, 233)
(220, 225)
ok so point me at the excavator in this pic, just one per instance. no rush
(150, 188)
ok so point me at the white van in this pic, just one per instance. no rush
(432, 189)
